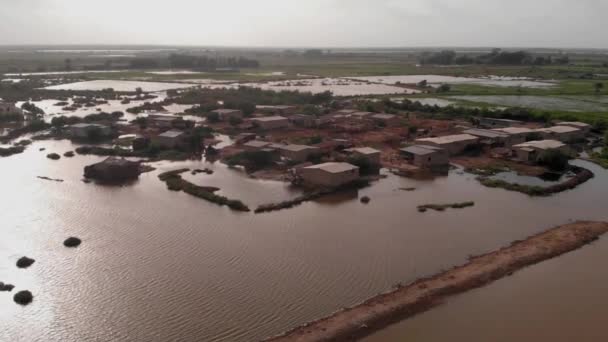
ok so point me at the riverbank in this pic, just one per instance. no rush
(406, 301)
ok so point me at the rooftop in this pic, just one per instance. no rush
(334, 167)
(541, 144)
(256, 143)
(559, 129)
(363, 150)
(486, 133)
(448, 139)
(574, 124)
(293, 147)
(171, 134)
(270, 118)
(502, 120)
(87, 125)
(514, 130)
(421, 150)
(225, 111)
(383, 116)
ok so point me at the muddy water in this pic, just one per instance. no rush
(164, 266)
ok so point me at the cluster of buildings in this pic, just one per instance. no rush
(9, 108)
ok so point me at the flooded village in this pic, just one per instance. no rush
(211, 194)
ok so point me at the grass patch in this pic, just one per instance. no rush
(443, 207)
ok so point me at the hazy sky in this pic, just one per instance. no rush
(349, 23)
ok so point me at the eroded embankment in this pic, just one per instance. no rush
(406, 301)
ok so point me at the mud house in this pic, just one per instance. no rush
(586, 128)
(276, 110)
(165, 121)
(426, 156)
(497, 123)
(387, 120)
(517, 135)
(561, 133)
(297, 153)
(170, 139)
(256, 145)
(302, 120)
(532, 151)
(362, 115)
(453, 144)
(271, 122)
(225, 114)
(244, 137)
(9, 108)
(370, 154)
(85, 130)
(329, 174)
(491, 137)
(344, 112)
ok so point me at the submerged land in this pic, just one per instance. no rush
(409, 300)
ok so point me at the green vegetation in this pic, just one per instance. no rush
(9, 151)
(443, 207)
(554, 160)
(175, 182)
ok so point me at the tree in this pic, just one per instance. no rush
(598, 87)
(68, 64)
(444, 88)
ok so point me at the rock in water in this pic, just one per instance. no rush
(23, 297)
(72, 242)
(6, 287)
(25, 262)
(113, 170)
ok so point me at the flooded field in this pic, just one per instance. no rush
(49, 73)
(161, 265)
(435, 80)
(340, 87)
(429, 101)
(540, 102)
(120, 85)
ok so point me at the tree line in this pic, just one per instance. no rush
(496, 57)
(202, 63)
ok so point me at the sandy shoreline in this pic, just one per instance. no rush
(406, 301)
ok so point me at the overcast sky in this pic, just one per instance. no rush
(293, 23)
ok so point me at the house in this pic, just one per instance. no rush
(225, 114)
(426, 156)
(532, 151)
(453, 144)
(586, 128)
(491, 137)
(497, 123)
(344, 112)
(244, 137)
(387, 120)
(276, 110)
(9, 108)
(561, 133)
(517, 135)
(166, 121)
(170, 139)
(329, 174)
(271, 122)
(362, 115)
(370, 154)
(85, 130)
(256, 145)
(302, 120)
(297, 153)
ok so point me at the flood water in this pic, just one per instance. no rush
(119, 85)
(541, 102)
(435, 80)
(157, 265)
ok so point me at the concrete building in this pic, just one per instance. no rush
(297, 153)
(386, 119)
(226, 114)
(170, 139)
(497, 123)
(329, 174)
(561, 133)
(426, 156)
(271, 122)
(83, 130)
(453, 144)
(276, 110)
(370, 154)
(586, 128)
(532, 151)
